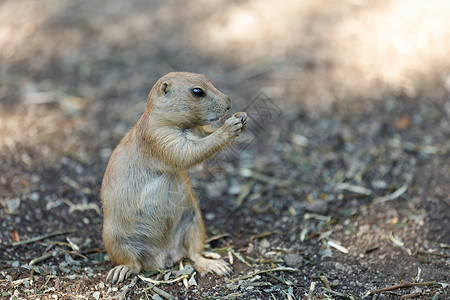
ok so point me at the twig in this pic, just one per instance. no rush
(325, 282)
(337, 246)
(265, 271)
(401, 286)
(239, 256)
(266, 179)
(217, 237)
(285, 282)
(185, 280)
(263, 235)
(127, 288)
(38, 238)
(230, 257)
(329, 290)
(312, 288)
(163, 293)
(354, 188)
(156, 282)
(421, 252)
(43, 257)
(395, 240)
(412, 295)
(246, 189)
(392, 196)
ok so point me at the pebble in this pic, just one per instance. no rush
(13, 205)
(339, 266)
(264, 243)
(379, 184)
(96, 295)
(34, 196)
(317, 206)
(293, 260)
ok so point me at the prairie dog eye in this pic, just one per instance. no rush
(198, 92)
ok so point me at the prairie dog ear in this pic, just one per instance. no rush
(164, 88)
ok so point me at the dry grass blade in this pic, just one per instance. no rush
(342, 295)
(279, 269)
(164, 294)
(43, 257)
(38, 238)
(230, 257)
(246, 189)
(266, 179)
(325, 282)
(263, 234)
(312, 288)
(337, 246)
(283, 281)
(400, 191)
(156, 282)
(239, 256)
(217, 237)
(401, 286)
(354, 188)
(395, 240)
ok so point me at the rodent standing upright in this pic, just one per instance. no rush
(151, 216)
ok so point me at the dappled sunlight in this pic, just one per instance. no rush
(256, 30)
(328, 51)
(397, 42)
(314, 52)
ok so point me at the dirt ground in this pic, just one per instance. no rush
(339, 189)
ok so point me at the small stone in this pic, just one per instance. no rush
(317, 206)
(192, 280)
(26, 283)
(210, 216)
(101, 286)
(339, 266)
(96, 295)
(379, 184)
(13, 205)
(15, 264)
(293, 260)
(264, 243)
(34, 196)
(235, 187)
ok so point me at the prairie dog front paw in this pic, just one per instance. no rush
(244, 118)
(235, 124)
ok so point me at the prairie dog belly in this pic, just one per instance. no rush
(162, 220)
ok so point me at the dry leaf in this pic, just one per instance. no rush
(15, 236)
(403, 123)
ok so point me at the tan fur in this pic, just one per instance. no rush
(151, 216)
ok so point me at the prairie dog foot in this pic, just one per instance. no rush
(120, 273)
(220, 267)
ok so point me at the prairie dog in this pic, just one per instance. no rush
(151, 216)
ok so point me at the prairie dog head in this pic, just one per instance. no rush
(187, 100)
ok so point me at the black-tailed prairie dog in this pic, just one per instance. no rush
(151, 216)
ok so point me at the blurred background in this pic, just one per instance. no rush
(95, 57)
